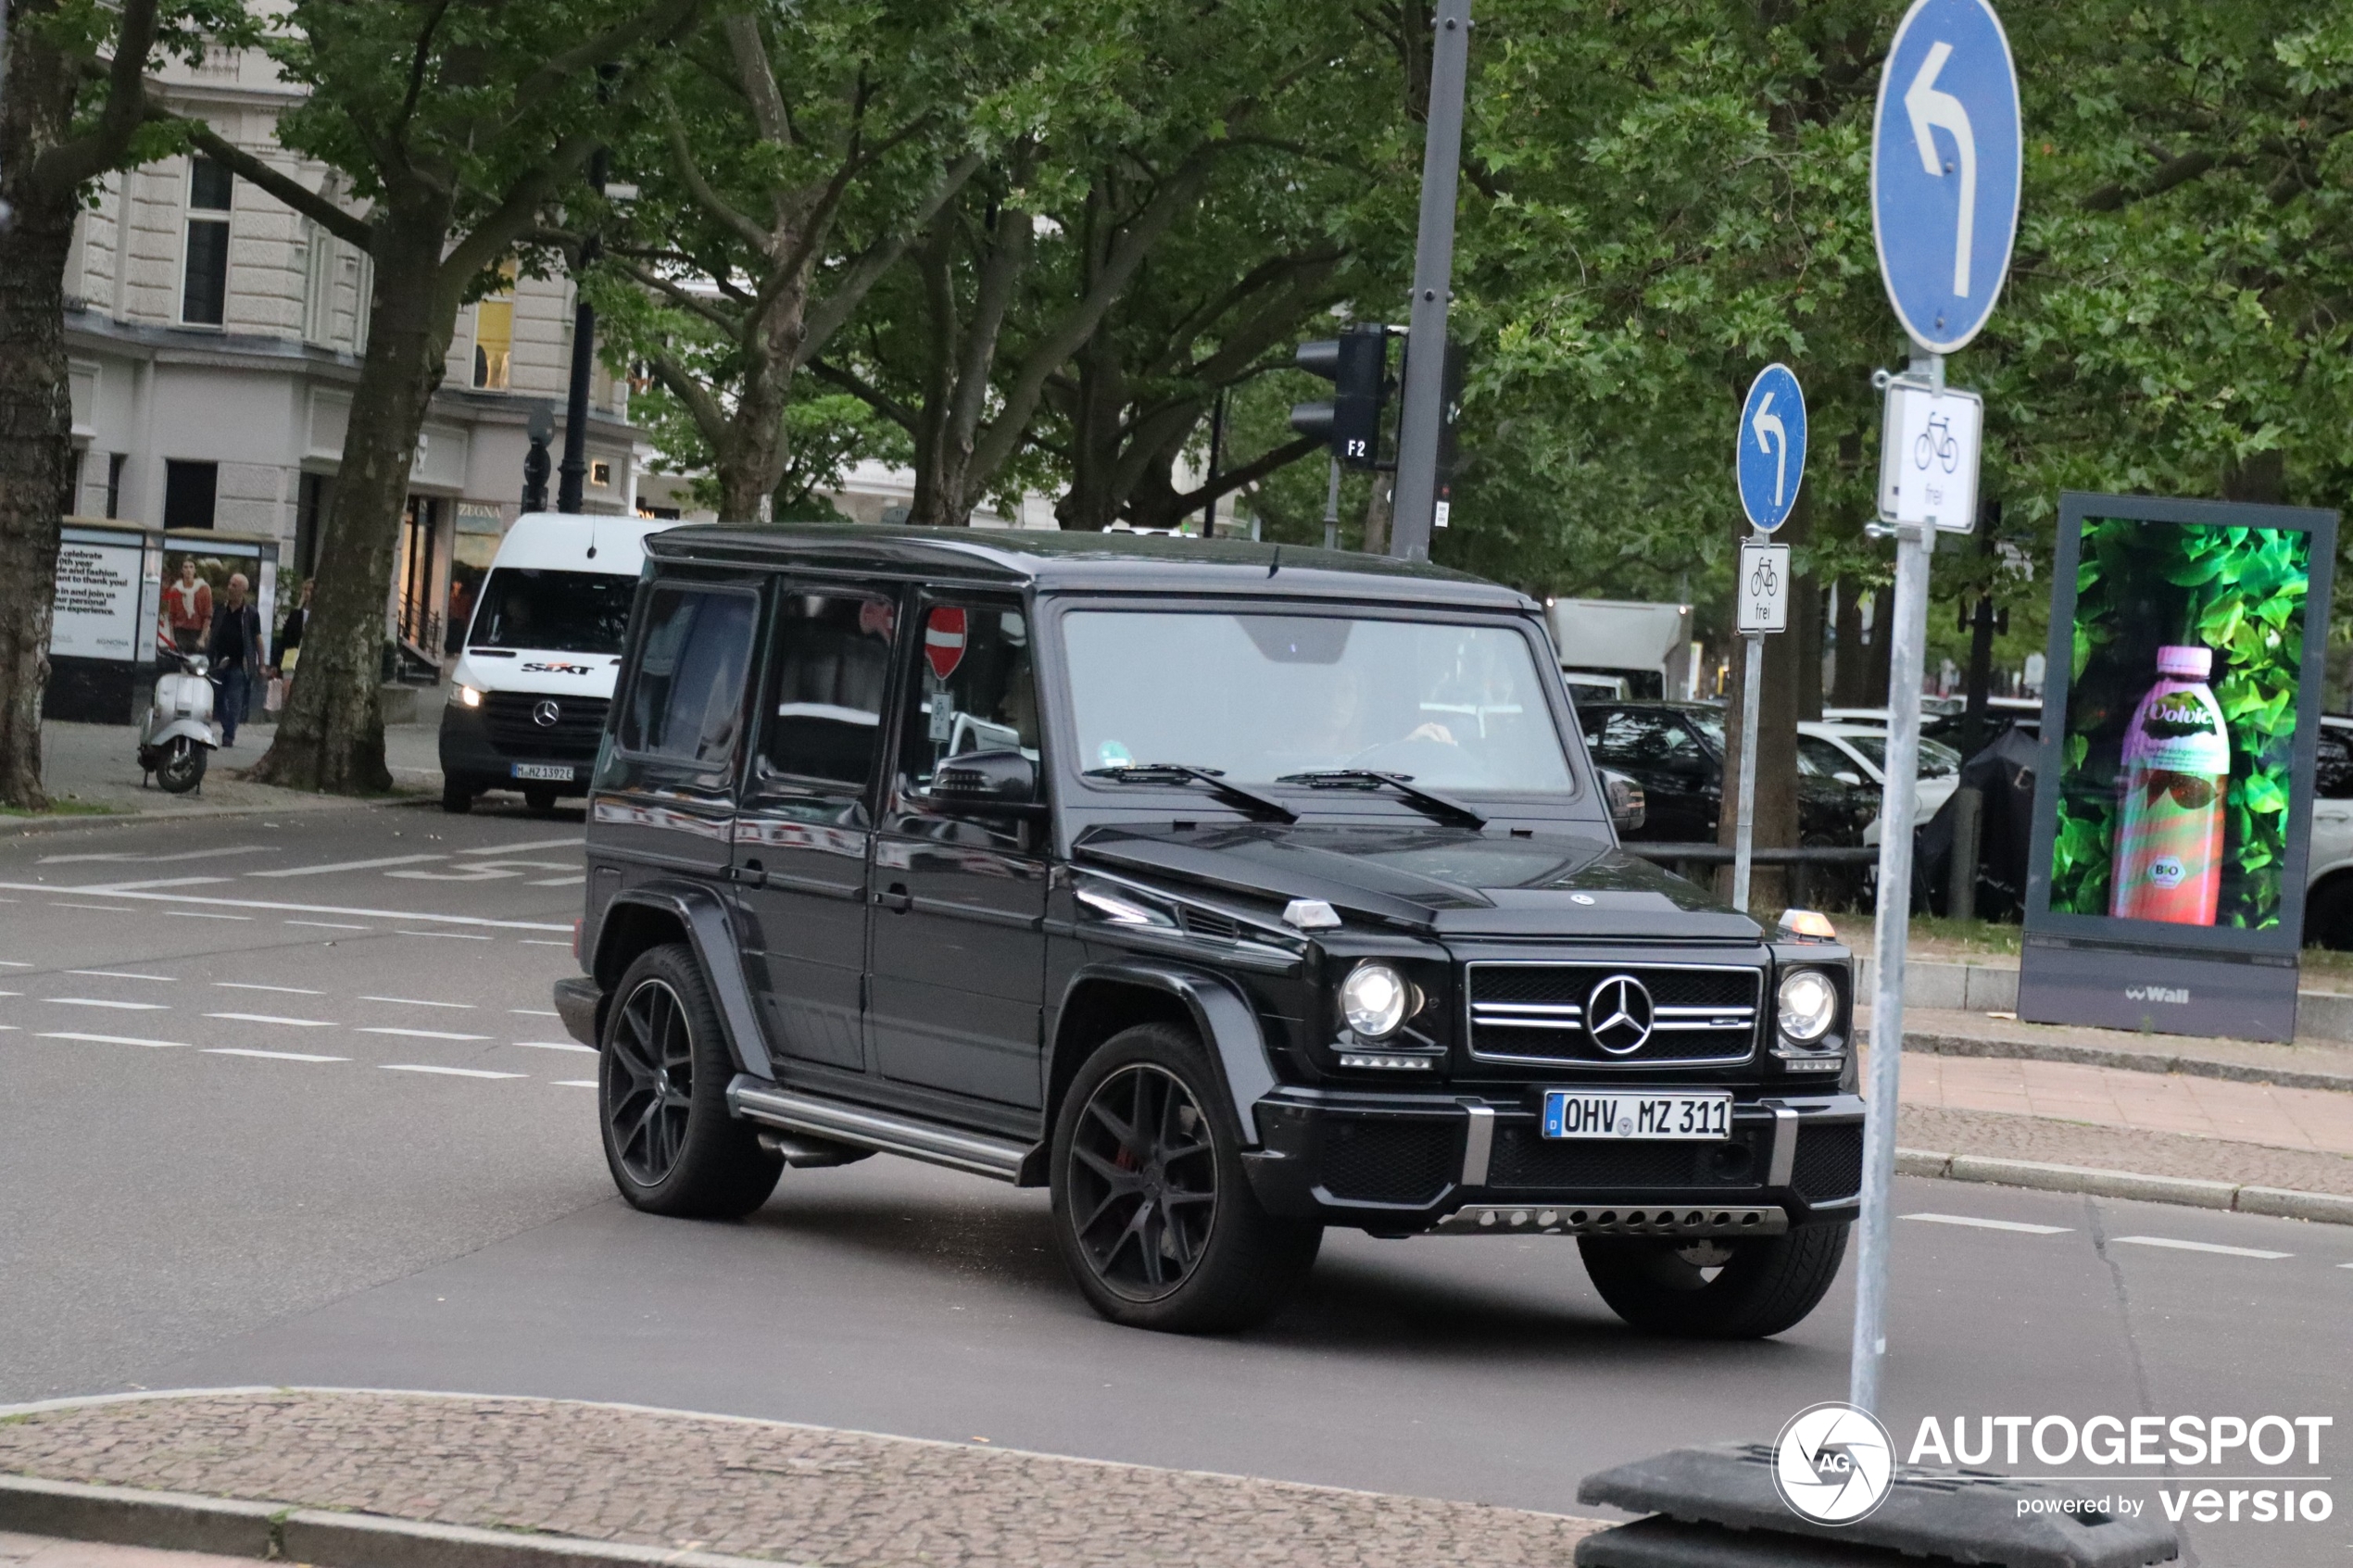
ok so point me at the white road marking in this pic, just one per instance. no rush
(450, 1072)
(145, 858)
(251, 985)
(419, 1002)
(2198, 1247)
(350, 866)
(104, 1002)
(122, 975)
(116, 1040)
(274, 1056)
(525, 849)
(591, 1082)
(445, 935)
(14, 963)
(534, 1012)
(199, 914)
(2020, 1226)
(573, 880)
(102, 909)
(153, 881)
(556, 1046)
(327, 925)
(540, 942)
(272, 1018)
(563, 929)
(423, 1033)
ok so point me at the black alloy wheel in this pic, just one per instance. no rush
(1730, 1287)
(1153, 1213)
(671, 1142)
(652, 1060)
(1143, 1183)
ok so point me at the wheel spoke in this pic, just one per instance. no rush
(1118, 1129)
(1121, 1181)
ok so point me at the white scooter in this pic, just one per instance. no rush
(176, 742)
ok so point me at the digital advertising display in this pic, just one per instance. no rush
(2183, 698)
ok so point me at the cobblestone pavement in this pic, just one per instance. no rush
(44, 1551)
(2007, 1136)
(2315, 1120)
(803, 1494)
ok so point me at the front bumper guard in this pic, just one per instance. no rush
(1637, 1216)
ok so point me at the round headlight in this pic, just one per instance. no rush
(1375, 999)
(1808, 1005)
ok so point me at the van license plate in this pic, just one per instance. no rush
(1688, 1118)
(561, 772)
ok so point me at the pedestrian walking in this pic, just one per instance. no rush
(237, 649)
(188, 605)
(290, 635)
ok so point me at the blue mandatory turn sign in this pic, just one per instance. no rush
(1945, 151)
(1771, 462)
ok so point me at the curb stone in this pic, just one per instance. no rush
(234, 1527)
(2130, 1061)
(2279, 1202)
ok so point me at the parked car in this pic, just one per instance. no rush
(1855, 755)
(1675, 750)
(2328, 878)
(1228, 891)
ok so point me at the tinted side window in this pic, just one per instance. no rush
(686, 701)
(2332, 766)
(974, 690)
(825, 702)
(1645, 740)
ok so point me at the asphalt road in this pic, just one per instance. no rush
(281, 1100)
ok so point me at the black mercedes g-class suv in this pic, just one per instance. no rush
(1229, 890)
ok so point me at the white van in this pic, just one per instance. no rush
(528, 697)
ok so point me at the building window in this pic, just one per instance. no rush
(495, 335)
(204, 289)
(115, 461)
(187, 493)
(318, 285)
(600, 475)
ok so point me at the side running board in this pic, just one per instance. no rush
(976, 1152)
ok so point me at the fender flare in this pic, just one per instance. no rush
(1227, 1024)
(712, 937)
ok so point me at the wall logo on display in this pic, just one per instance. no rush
(1833, 1463)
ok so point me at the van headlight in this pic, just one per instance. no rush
(1808, 1003)
(1375, 1000)
(465, 695)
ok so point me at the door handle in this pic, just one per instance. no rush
(750, 874)
(896, 900)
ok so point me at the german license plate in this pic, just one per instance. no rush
(1685, 1118)
(561, 771)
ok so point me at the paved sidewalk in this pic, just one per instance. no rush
(97, 765)
(800, 1494)
(2316, 1121)
(44, 1551)
(1952, 1032)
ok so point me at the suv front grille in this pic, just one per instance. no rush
(1524, 1158)
(1537, 1012)
(1386, 1159)
(580, 723)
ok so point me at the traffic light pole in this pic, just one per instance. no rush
(1425, 409)
(1331, 511)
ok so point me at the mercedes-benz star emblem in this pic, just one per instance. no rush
(545, 715)
(1619, 1014)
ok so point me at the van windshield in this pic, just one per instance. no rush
(1262, 697)
(563, 611)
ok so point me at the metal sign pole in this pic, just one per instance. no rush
(1744, 825)
(1415, 495)
(1898, 809)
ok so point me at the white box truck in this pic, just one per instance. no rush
(1648, 647)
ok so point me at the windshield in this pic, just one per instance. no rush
(1260, 696)
(1937, 760)
(568, 612)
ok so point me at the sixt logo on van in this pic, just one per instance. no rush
(559, 669)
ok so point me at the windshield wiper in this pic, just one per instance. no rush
(1186, 772)
(1429, 800)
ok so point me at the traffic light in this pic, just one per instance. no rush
(1449, 413)
(1357, 363)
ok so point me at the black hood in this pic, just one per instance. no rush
(1447, 881)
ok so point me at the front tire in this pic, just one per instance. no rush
(540, 802)
(1152, 1211)
(456, 797)
(180, 768)
(1747, 1287)
(661, 1097)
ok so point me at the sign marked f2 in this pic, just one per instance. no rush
(1928, 108)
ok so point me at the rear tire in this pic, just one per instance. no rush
(180, 767)
(1152, 1211)
(1759, 1286)
(2328, 917)
(456, 797)
(661, 1097)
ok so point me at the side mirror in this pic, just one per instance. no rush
(1629, 808)
(1002, 780)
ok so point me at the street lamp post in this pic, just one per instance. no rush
(573, 473)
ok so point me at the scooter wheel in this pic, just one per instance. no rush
(180, 768)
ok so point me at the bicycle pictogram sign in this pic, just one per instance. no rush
(1937, 443)
(1765, 579)
(1764, 582)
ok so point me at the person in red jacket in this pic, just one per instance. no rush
(187, 604)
